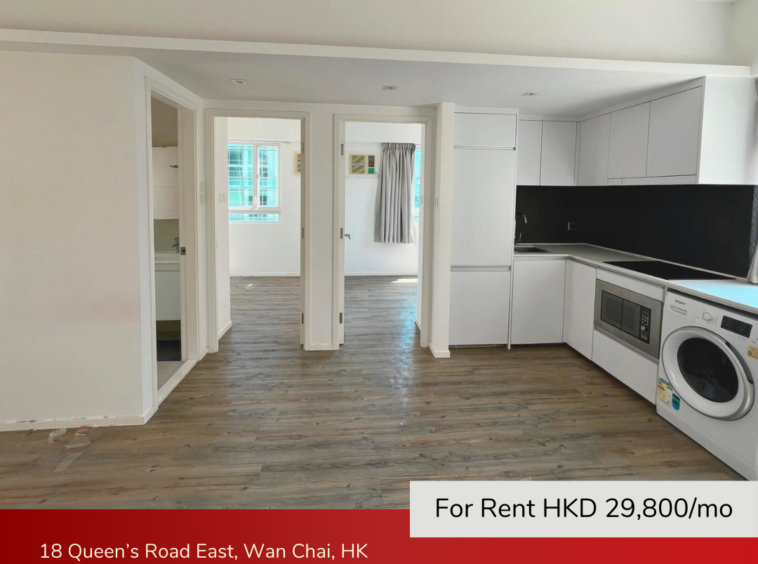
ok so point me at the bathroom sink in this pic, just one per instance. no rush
(528, 250)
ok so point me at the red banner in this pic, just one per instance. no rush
(295, 535)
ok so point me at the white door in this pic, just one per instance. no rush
(594, 140)
(675, 134)
(483, 200)
(538, 296)
(707, 374)
(579, 315)
(529, 153)
(558, 153)
(628, 150)
(479, 304)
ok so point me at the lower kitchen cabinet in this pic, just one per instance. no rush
(538, 298)
(626, 365)
(579, 311)
(479, 305)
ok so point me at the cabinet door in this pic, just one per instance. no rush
(594, 138)
(483, 200)
(479, 304)
(579, 316)
(529, 152)
(538, 298)
(485, 130)
(558, 153)
(674, 134)
(627, 157)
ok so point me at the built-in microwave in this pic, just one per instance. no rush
(629, 317)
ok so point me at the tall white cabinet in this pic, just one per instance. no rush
(484, 193)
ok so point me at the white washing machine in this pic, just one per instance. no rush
(706, 388)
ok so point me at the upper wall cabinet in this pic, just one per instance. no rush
(485, 130)
(627, 156)
(594, 136)
(529, 153)
(558, 153)
(674, 134)
(704, 132)
(546, 153)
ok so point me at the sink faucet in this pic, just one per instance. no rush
(520, 234)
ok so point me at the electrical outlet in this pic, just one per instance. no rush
(573, 226)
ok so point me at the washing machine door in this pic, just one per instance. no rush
(707, 373)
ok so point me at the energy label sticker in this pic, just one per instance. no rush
(665, 391)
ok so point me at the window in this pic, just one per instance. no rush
(254, 182)
(417, 184)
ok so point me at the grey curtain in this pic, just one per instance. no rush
(394, 199)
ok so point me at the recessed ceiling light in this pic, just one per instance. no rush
(389, 87)
(529, 94)
(238, 81)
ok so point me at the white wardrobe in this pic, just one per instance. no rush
(484, 192)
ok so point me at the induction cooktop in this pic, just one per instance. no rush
(666, 270)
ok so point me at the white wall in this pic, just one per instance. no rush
(76, 337)
(743, 33)
(269, 249)
(69, 232)
(645, 30)
(363, 256)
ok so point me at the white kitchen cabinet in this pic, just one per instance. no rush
(529, 153)
(594, 137)
(579, 309)
(168, 297)
(538, 300)
(658, 180)
(485, 130)
(633, 369)
(558, 162)
(627, 157)
(675, 134)
(165, 183)
(483, 214)
(479, 305)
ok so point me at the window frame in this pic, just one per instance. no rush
(417, 210)
(257, 208)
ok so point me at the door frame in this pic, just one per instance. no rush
(427, 210)
(188, 233)
(305, 205)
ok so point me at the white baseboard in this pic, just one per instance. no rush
(439, 353)
(263, 274)
(43, 424)
(327, 347)
(383, 273)
(224, 329)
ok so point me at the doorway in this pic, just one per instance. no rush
(381, 284)
(171, 348)
(258, 183)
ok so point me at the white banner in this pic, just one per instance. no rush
(584, 509)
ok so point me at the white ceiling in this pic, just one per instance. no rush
(344, 75)
(358, 81)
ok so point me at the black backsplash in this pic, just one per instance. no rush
(703, 226)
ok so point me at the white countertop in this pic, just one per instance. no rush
(736, 293)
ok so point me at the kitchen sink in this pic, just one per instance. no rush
(528, 250)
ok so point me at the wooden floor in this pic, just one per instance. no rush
(264, 424)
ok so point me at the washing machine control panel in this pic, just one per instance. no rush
(736, 326)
